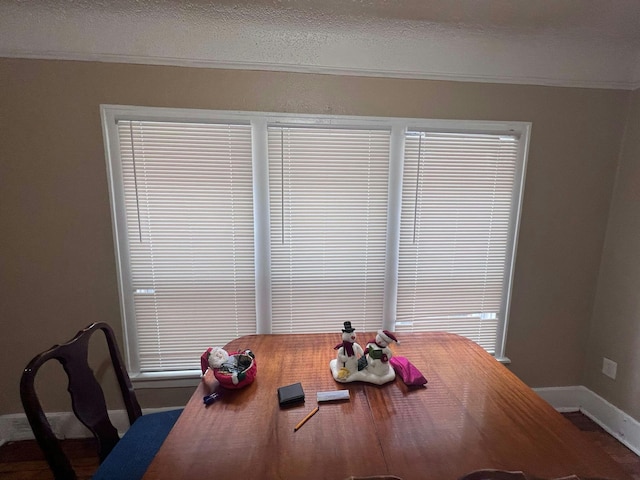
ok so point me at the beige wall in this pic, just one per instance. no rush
(58, 267)
(615, 331)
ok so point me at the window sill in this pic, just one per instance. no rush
(183, 378)
(191, 378)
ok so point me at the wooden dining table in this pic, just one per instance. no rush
(473, 413)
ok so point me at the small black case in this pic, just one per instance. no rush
(290, 395)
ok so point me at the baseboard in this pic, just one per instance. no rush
(579, 398)
(625, 428)
(563, 399)
(14, 427)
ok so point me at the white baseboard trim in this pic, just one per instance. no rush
(579, 398)
(14, 427)
(625, 428)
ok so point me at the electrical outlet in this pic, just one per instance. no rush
(609, 368)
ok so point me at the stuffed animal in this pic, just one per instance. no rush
(217, 356)
(233, 370)
(378, 353)
(348, 352)
(353, 364)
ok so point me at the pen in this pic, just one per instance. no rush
(209, 399)
(304, 420)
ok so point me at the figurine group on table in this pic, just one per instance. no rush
(371, 364)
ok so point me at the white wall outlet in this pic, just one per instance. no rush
(609, 367)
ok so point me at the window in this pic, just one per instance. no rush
(188, 209)
(455, 243)
(230, 223)
(328, 191)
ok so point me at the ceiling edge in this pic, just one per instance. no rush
(313, 69)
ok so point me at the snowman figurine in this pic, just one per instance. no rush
(378, 354)
(346, 362)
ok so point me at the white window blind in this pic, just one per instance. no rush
(328, 199)
(404, 224)
(189, 225)
(457, 233)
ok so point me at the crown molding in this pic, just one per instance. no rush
(332, 45)
(324, 70)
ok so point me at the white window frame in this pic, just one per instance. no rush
(259, 121)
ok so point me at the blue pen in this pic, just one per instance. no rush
(209, 399)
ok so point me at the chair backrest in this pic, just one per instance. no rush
(488, 474)
(494, 475)
(87, 397)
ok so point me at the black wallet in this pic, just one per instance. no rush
(290, 394)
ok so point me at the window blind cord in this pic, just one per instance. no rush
(415, 209)
(282, 182)
(234, 243)
(493, 205)
(135, 179)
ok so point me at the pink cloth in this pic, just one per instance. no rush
(408, 372)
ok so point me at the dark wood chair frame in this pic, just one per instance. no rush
(495, 475)
(87, 397)
(488, 474)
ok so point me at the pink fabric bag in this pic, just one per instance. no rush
(408, 372)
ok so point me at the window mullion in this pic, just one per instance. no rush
(394, 215)
(262, 225)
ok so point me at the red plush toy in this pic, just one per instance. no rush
(234, 370)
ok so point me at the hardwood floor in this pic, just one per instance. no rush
(629, 461)
(24, 460)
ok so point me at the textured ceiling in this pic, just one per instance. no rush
(559, 42)
(601, 18)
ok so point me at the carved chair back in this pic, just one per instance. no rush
(87, 398)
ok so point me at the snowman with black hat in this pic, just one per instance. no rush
(348, 353)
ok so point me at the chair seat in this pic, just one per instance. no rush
(132, 455)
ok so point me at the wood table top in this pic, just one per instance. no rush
(473, 414)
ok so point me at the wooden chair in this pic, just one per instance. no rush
(495, 475)
(143, 438)
(488, 474)
(375, 477)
